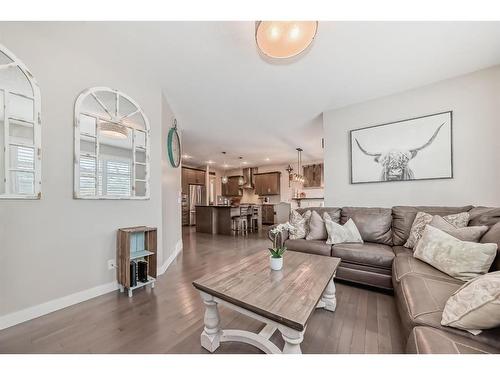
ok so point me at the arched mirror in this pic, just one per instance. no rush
(20, 130)
(111, 146)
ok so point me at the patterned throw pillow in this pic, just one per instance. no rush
(341, 233)
(476, 305)
(460, 259)
(300, 224)
(422, 219)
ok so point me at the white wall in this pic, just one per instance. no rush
(475, 102)
(58, 246)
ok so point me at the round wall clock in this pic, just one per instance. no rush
(174, 146)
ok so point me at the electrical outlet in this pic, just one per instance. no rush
(111, 264)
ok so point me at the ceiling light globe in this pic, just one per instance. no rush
(284, 39)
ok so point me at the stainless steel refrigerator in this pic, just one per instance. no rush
(196, 196)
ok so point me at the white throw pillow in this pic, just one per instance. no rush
(460, 259)
(476, 305)
(300, 224)
(341, 233)
(422, 219)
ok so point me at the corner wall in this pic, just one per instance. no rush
(475, 102)
(54, 251)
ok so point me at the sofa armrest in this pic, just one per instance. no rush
(284, 234)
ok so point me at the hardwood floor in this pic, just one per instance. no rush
(169, 319)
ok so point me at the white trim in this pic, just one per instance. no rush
(33, 312)
(164, 266)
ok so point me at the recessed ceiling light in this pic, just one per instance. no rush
(267, 159)
(210, 162)
(186, 156)
(245, 162)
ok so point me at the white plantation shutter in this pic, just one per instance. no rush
(87, 175)
(118, 178)
(24, 181)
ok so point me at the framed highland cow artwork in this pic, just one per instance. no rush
(414, 149)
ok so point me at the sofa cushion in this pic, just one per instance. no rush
(371, 254)
(493, 236)
(402, 251)
(427, 340)
(408, 265)
(403, 217)
(422, 300)
(334, 212)
(374, 224)
(484, 216)
(309, 246)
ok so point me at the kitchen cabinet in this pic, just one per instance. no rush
(267, 183)
(232, 188)
(268, 214)
(313, 175)
(192, 176)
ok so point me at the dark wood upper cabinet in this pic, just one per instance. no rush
(313, 176)
(192, 176)
(232, 187)
(267, 183)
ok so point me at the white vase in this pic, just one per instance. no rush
(276, 263)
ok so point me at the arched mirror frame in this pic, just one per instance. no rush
(77, 138)
(37, 130)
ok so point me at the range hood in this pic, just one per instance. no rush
(248, 177)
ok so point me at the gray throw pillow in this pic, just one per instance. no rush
(471, 234)
(422, 219)
(317, 229)
(460, 259)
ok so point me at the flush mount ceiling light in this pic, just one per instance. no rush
(112, 130)
(284, 39)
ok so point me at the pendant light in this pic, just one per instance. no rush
(284, 39)
(298, 177)
(224, 178)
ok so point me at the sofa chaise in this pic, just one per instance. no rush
(421, 291)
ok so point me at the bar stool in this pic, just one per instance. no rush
(254, 219)
(240, 222)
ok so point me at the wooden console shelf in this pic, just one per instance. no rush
(135, 244)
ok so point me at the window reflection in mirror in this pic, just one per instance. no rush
(20, 128)
(111, 146)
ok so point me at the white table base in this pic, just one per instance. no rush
(213, 335)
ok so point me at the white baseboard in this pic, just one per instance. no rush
(178, 249)
(33, 312)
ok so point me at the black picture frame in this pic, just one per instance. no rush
(350, 135)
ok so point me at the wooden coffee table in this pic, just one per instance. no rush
(283, 300)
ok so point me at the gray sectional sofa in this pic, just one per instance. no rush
(421, 291)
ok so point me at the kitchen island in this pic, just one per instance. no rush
(217, 219)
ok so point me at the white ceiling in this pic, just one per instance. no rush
(228, 98)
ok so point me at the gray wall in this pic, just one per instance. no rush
(475, 102)
(57, 246)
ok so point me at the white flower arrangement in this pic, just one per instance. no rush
(277, 232)
(282, 227)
